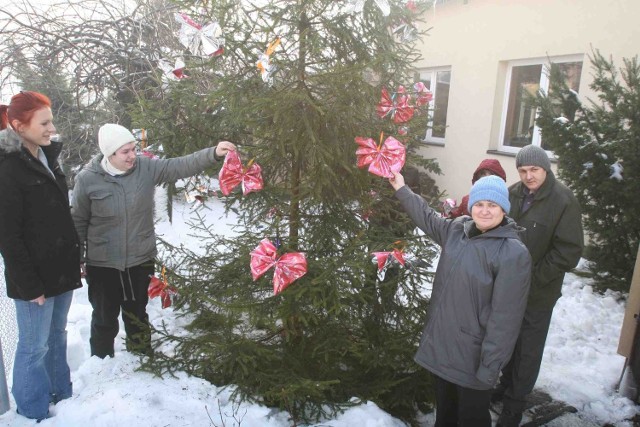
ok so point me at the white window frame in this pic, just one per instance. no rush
(544, 86)
(433, 72)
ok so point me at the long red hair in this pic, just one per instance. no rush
(22, 108)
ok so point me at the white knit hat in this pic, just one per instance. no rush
(112, 136)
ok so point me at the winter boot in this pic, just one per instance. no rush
(509, 419)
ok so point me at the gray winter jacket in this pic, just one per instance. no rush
(478, 300)
(113, 215)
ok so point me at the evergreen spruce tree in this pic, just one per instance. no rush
(339, 334)
(598, 147)
(70, 117)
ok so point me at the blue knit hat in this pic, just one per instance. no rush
(491, 188)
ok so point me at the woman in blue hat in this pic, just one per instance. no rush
(478, 300)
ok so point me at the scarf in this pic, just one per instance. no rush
(109, 168)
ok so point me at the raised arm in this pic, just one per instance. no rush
(169, 170)
(425, 217)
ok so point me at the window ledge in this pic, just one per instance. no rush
(501, 153)
(433, 143)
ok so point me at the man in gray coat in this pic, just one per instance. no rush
(551, 215)
(112, 209)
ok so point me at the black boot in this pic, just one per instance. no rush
(509, 419)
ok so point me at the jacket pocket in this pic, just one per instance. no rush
(97, 248)
(145, 244)
(471, 336)
(36, 190)
(469, 347)
(537, 237)
(102, 204)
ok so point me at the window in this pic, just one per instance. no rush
(438, 82)
(524, 79)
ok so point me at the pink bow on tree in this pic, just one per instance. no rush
(383, 159)
(160, 288)
(447, 206)
(395, 106)
(145, 152)
(233, 173)
(423, 94)
(383, 257)
(288, 268)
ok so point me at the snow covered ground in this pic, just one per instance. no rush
(580, 366)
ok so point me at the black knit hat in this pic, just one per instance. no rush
(532, 155)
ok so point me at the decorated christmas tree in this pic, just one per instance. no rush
(597, 142)
(295, 310)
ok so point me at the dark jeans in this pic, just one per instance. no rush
(520, 374)
(111, 290)
(458, 406)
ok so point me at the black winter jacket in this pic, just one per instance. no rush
(553, 236)
(38, 240)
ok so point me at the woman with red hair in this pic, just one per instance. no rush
(40, 248)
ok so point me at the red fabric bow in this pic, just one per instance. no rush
(423, 94)
(396, 106)
(159, 288)
(148, 154)
(448, 206)
(233, 173)
(288, 268)
(383, 159)
(382, 257)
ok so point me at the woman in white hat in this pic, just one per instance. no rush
(112, 209)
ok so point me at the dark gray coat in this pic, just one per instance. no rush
(553, 236)
(37, 238)
(114, 214)
(478, 300)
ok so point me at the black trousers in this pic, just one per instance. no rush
(520, 374)
(458, 406)
(111, 290)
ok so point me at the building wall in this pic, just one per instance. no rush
(477, 38)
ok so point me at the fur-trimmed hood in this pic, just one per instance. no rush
(9, 141)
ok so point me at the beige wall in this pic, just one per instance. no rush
(476, 38)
